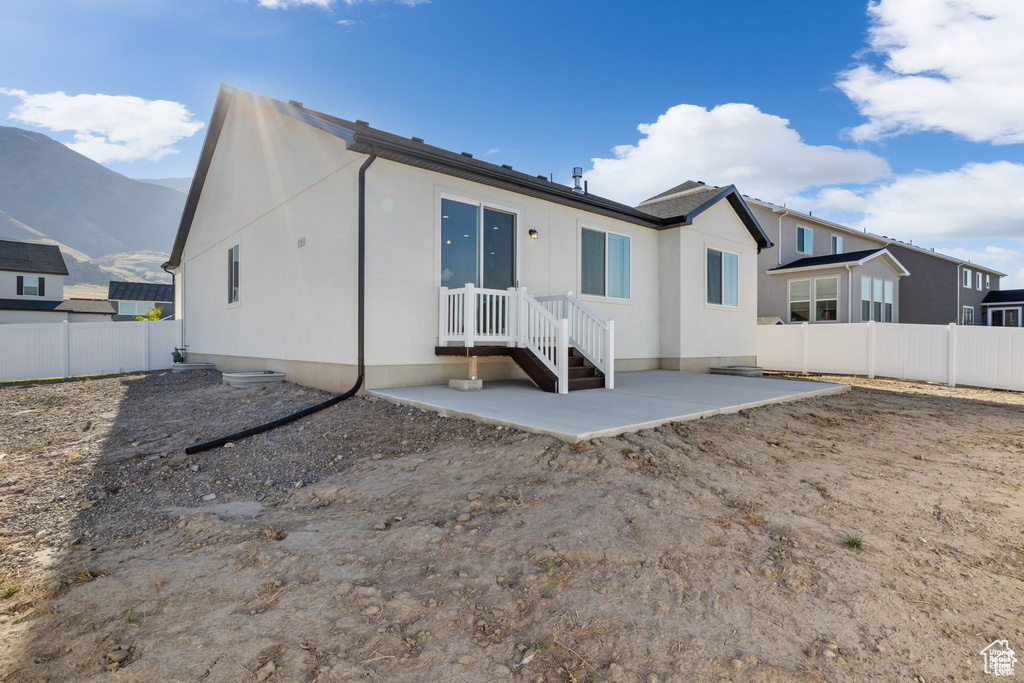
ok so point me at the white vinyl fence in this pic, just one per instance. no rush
(46, 350)
(952, 354)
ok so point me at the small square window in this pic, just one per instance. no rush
(31, 286)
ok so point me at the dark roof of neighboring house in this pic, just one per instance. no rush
(139, 291)
(1004, 296)
(27, 257)
(831, 259)
(99, 306)
(360, 137)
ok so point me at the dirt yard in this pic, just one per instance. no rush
(373, 542)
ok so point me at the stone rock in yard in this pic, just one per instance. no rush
(210, 496)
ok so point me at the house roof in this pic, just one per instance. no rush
(362, 138)
(681, 210)
(99, 306)
(26, 257)
(682, 187)
(770, 320)
(139, 291)
(850, 258)
(1004, 296)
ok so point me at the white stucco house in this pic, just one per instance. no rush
(330, 250)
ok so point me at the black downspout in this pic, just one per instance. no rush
(361, 255)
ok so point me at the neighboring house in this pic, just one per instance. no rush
(1003, 308)
(266, 262)
(132, 299)
(861, 276)
(32, 287)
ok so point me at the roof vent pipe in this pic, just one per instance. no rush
(577, 174)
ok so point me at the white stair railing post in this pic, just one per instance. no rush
(524, 324)
(563, 356)
(512, 316)
(469, 317)
(951, 346)
(442, 318)
(609, 356)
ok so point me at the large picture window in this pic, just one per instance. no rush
(804, 240)
(877, 300)
(604, 264)
(723, 278)
(233, 274)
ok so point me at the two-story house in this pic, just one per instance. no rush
(132, 299)
(32, 287)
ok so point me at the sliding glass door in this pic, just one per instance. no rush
(478, 246)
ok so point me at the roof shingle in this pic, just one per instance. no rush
(139, 291)
(26, 257)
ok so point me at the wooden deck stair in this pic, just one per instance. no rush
(582, 374)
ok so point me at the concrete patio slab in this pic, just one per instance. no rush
(639, 400)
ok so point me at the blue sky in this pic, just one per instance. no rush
(906, 117)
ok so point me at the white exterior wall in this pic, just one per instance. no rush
(265, 191)
(9, 286)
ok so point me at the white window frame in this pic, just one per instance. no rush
(808, 240)
(579, 286)
(978, 281)
(889, 299)
(233, 274)
(967, 278)
(815, 300)
(25, 285)
(790, 301)
(837, 244)
(865, 280)
(481, 206)
(988, 281)
(963, 315)
(1004, 309)
(723, 252)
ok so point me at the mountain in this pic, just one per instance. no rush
(76, 201)
(179, 184)
(107, 225)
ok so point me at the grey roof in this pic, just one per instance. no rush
(360, 137)
(836, 259)
(1004, 296)
(682, 210)
(99, 306)
(139, 291)
(26, 257)
(678, 206)
(682, 187)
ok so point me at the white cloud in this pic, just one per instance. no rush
(730, 144)
(493, 150)
(949, 65)
(976, 201)
(1009, 261)
(109, 127)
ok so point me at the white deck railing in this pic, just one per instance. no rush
(547, 326)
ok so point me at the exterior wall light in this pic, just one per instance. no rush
(534, 234)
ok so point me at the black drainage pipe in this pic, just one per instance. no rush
(266, 427)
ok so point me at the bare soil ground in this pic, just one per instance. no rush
(375, 542)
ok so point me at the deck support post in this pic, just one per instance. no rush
(472, 368)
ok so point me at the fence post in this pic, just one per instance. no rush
(563, 356)
(469, 316)
(804, 351)
(65, 349)
(148, 362)
(609, 356)
(442, 318)
(872, 348)
(951, 346)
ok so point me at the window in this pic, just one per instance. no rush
(804, 240)
(988, 282)
(604, 264)
(723, 278)
(967, 278)
(135, 307)
(968, 317)
(30, 285)
(826, 299)
(837, 244)
(865, 299)
(478, 246)
(877, 300)
(978, 282)
(887, 300)
(799, 301)
(233, 274)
